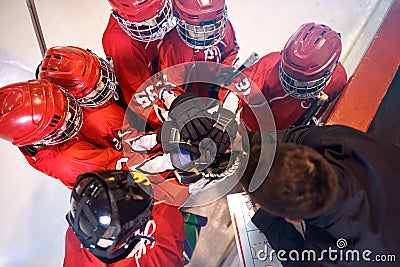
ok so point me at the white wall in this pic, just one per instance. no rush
(33, 206)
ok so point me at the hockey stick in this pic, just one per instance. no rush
(322, 99)
(213, 91)
(36, 26)
(248, 62)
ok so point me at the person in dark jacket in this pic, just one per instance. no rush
(342, 183)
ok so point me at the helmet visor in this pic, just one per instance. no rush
(205, 35)
(71, 125)
(302, 89)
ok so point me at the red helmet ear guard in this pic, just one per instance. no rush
(38, 112)
(144, 20)
(308, 60)
(89, 78)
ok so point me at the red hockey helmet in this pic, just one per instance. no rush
(109, 211)
(144, 20)
(38, 112)
(201, 23)
(308, 60)
(89, 78)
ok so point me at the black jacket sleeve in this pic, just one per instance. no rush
(280, 234)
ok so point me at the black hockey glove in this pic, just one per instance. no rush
(224, 79)
(224, 129)
(191, 170)
(190, 117)
(169, 136)
(226, 76)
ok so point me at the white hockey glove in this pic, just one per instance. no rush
(216, 173)
(226, 121)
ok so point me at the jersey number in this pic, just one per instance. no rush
(147, 97)
(243, 87)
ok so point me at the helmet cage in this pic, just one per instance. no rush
(113, 239)
(206, 34)
(105, 88)
(71, 125)
(151, 29)
(303, 89)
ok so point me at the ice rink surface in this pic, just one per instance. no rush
(32, 205)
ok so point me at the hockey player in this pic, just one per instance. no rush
(99, 121)
(294, 80)
(132, 38)
(203, 33)
(91, 80)
(44, 121)
(115, 222)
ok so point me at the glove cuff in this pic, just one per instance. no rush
(168, 136)
(182, 98)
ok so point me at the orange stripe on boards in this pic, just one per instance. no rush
(368, 85)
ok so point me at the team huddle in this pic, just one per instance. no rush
(160, 119)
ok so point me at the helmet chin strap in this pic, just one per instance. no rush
(126, 251)
(119, 255)
(145, 237)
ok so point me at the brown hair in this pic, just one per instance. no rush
(301, 184)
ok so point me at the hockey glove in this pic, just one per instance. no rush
(224, 79)
(190, 117)
(171, 141)
(226, 120)
(224, 129)
(217, 172)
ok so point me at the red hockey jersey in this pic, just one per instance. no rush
(71, 158)
(134, 61)
(166, 228)
(102, 125)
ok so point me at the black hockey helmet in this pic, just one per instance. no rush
(106, 210)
